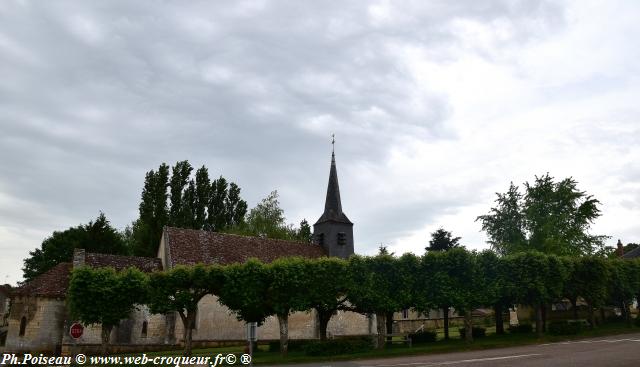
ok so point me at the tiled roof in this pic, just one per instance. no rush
(632, 254)
(119, 262)
(189, 247)
(53, 283)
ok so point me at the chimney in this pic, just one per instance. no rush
(78, 257)
(620, 250)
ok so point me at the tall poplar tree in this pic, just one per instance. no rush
(179, 180)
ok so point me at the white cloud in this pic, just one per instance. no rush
(436, 106)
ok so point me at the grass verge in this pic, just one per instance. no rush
(455, 344)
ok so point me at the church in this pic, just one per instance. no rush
(39, 321)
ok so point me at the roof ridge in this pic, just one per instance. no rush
(242, 235)
(118, 255)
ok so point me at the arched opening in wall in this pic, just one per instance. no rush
(23, 325)
(144, 329)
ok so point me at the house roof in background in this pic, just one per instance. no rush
(632, 254)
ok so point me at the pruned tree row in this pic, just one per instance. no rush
(380, 285)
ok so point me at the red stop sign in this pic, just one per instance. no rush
(76, 330)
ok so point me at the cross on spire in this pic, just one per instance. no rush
(333, 143)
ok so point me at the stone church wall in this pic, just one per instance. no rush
(44, 321)
(350, 323)
(215, 322)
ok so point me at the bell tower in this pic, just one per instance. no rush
(334, 231)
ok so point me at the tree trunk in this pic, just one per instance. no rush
(105, 336)
(389, 324)
(592, 316)
(445, 313)
(497, 308)
(544, 317)
(380, 326)
(187, 333)
(283, 321)
(323, 321)
(574, 305)
(468, 326)
(539, 320)
(626, 308)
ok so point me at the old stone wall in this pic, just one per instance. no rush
(215, 322)
(128, 332)
(44, 322)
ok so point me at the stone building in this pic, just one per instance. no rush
(4, 312)
(39, 321)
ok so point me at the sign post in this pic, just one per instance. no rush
(76, 330)
(252, 337)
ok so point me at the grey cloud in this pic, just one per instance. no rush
(94, 94)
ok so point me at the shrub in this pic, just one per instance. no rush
(637, 322)
(476, 332)
(566, 327)
(521, 329)
(274, 346)
(338, 346)
(425, 336)
(615, 318)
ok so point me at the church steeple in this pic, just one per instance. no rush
(333, 230)
(332, 204)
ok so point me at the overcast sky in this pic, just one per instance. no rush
(436, 105)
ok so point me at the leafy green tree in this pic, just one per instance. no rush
(381, 285)
(539, 280)
(442, 240)
(102, 296)
(246, 290)
(179, 180)
(589, 279)
(624, 284)
(469, 286)
(435, 292)
(96, 236)
(201, 200)
(288, 280)
(448, 279)
(235, 207)
(328, 291)
(194, 203)
(499, 289)
(267, 220)
(506, 222)
(188, 211)
(408, 266)
(179, 290)
(304, 232)
(154, 213)
(218, 211)
(551, 217)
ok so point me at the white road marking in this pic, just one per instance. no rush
(591, 342)
(444, 363)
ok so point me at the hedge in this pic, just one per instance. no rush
(338, 346)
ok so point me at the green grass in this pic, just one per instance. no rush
(454, 344)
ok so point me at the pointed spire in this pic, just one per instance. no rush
(333, 205)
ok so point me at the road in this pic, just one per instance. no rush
(612, 351)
